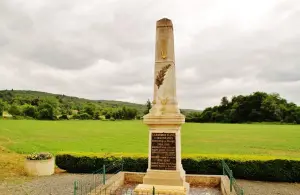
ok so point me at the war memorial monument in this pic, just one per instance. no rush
(165, 170)
(165, 174)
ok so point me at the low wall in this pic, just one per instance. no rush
(225, 186)
(133, 177)
(203, 180)
(110, 186)
(123, 178)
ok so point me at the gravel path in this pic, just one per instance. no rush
(55, 185)
(63, 184)
(269, 188)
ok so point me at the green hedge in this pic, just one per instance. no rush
(262, 170)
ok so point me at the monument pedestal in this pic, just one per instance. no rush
(164, 182)
(165, 172)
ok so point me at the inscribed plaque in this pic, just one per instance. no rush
(163, 151)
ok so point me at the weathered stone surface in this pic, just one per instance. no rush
(164, 96)
(164, 120)
(39, 167)
(203, 180)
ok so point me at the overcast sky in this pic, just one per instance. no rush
(104, 49)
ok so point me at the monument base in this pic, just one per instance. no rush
(168, 119)
(160, 189)
(163, 182)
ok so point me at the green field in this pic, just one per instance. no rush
(25, 136)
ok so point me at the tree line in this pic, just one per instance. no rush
(256, 107)
(60, 107)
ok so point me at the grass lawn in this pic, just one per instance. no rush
(25, 136)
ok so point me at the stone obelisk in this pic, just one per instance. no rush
(165, 172)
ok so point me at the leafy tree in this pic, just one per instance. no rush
(84, 116)
(193, 117)
(35, 102)
(129, 113)
(45, 114)
(45, 111)
(1, 107)
(108, 115)
(15, 110)
(256, 107)
(117, 114)
(90, 109)
(97, 115)
(63, 117)
(7, 96)
(29, 110)
(52, 101)
(224, 101)
(148, 107)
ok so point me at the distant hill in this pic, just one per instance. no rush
(21, 97)
(104, 103)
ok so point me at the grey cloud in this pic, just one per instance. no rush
(238, 55)
(62, 55)
(283, 65)
(3, 40)
(54, 42)
(262, 57)
(105, 49)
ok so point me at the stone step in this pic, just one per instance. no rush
(163, 181)
(163, 174)
(160, 189)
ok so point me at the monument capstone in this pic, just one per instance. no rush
(165, 172)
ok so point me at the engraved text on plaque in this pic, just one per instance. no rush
(163, 151)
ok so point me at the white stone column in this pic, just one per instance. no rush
(164, 117)
(149, 149)
(178, 150)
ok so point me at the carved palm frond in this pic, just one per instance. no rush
(161, 75)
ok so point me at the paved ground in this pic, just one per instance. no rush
(54, 185)
(63, 184)
(269, 188)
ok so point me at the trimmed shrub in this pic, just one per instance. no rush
(262, 170)
(82, 164)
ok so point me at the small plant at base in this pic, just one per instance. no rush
(39, 156)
